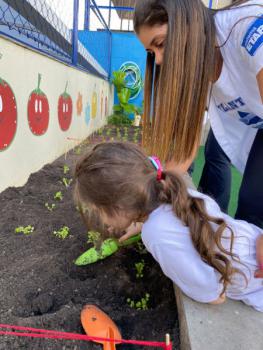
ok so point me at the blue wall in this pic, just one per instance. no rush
(125, 47)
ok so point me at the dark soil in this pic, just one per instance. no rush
(41, 287)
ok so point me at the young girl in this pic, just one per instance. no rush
(205, 252)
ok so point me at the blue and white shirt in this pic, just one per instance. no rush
(236, 108)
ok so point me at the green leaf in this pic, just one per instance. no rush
(124, 96)
(129, 108)
(118, 80)
(117, 108)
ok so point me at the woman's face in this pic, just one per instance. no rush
(153, 39)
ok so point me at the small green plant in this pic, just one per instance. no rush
(117, 119)
(66, 182)
(58, 196)
(139, 269)
(141, 304)
(93, 237)
(108, 132)
(62, 233)
(50, 207)
(65, 169)
(140, 248)
(135, 138)
(26, 230)
(78, 150)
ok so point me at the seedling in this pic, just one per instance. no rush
(66, 182)
(65, 169)
(50, 207)
(108, 132)
(135, 139)
(139, 268)
(26, 230)
(93, 237)
(62, 233)
(141, 304)
(140, 248)
(58, 196)
(78, 150)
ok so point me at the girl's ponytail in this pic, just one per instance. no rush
(205, 236)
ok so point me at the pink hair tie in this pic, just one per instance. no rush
(158, 166)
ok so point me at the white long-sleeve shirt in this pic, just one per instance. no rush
(169, 241)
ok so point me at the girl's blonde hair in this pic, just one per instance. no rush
(118, 177)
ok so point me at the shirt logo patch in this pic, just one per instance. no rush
(254, 37)
(251, 119)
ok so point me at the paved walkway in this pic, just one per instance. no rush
(229, 326)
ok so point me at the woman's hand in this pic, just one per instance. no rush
(132, 230)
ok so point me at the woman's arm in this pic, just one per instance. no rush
(260, 83)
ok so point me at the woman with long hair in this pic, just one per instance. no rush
(198, 59)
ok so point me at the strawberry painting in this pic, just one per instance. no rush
(38, 110)
(8, 115)
(65, 110)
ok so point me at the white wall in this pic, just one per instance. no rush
(27, 153)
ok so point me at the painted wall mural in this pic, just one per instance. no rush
(101, 104)
(38, 110)
(8, 115)
(87, 114)
(79, 104)
(94, 104)
(106, 107)
(65, 110)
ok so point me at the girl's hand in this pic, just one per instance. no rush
(132, 230)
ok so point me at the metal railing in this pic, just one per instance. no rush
(50, 27)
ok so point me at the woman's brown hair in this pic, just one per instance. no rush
(176, 93)
(119, 178)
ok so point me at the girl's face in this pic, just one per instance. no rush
(119, 221)
(153, 39)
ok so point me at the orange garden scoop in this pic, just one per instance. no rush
(97, 324)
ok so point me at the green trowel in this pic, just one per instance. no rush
(107, 248)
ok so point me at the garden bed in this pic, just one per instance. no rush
(40, 285)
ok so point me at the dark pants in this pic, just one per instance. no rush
(216, 179)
